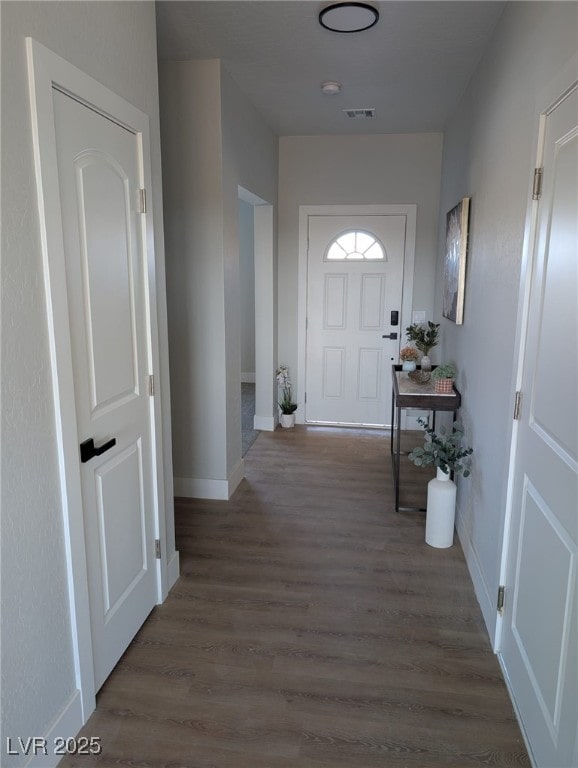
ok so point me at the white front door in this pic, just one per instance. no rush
(99, 171)
(539, 646)
(354, 283)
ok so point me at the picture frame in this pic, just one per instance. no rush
(455, 261)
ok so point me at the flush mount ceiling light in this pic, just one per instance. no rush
(348, 17)
(330, 87)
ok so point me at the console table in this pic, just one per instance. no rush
(408, 394)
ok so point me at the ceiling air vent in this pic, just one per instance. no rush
(360, 114)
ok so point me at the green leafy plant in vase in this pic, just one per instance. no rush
(443, 450)
(446, 452)
(424, 337)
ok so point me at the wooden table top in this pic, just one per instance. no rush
(409, 394)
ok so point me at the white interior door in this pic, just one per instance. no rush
(539, 645)
(354, 283)
(99, 170)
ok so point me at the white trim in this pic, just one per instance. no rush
(208, 488)
(526, 269)
(248, 378)
(486, 601)
(265, 313)
(265, 423)
(235, 478)
(47, 70)
(408, 210)
(201, 488)
(519, 352)
(67, 723)
(265, 309)
(173, 570)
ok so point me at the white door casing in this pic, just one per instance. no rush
(48, 74)
(265, 392)
(348, 363)
(538, 638)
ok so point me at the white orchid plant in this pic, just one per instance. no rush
(286, 403)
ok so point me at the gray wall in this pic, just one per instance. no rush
(357, 170)
(213, 142)
(489, 154)
(116, 44)
(250, 154)
(192, 179)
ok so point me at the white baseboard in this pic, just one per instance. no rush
(206, 488)
(201, 488)
(66, 725)
(410, 417)
(264, 423)
(247, 378)
(173, 569)
(236, 477)
(487, 603)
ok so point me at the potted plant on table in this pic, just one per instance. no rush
(443, 376)
(409, 357)
(446, 452)
(286, 404)
(425, 337)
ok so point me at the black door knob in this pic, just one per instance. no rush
(389, 336)
(89, 450)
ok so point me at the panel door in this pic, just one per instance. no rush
(354, 282)
(540, 637)
(99, 173)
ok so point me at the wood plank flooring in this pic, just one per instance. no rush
(311, 627)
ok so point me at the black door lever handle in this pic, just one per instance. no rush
(389, 336)
(88, 450)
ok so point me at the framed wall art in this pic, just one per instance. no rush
(455, 261)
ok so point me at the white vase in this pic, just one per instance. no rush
(425, 363)
(408, 365)
(441, 511)
(287, 420)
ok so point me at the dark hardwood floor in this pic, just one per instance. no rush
(311, 627)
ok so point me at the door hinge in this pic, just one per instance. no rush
(500, 603)
(158, 549)
(151, 385)
(518, 406)
(142, 201)
(537, 185)
(305, 398)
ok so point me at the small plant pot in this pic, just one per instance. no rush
(287, 420)
(408, 365)
(444, 386)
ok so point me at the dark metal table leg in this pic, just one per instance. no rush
(392, 420)
(398, 459)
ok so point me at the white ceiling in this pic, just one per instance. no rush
(412, 66)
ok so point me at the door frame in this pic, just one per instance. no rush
(526, 269)
(305, 211)
(46, 71)
(525, 285)
(265, 402)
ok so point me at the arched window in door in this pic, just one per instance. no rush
(355, 245)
